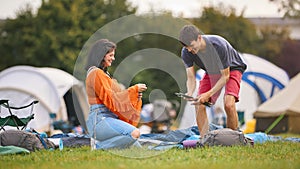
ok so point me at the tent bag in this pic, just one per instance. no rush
(225, 137)
(24, 139)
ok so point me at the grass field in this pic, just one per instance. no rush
(269, 155)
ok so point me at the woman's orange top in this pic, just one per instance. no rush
(101, 89)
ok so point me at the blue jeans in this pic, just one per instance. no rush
(109, 131)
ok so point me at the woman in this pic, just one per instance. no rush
(114, 113)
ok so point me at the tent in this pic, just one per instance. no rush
(260, 81)
(286, 104)
(58, 93)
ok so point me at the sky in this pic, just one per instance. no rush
(187, 8)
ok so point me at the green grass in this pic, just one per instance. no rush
(269, 155)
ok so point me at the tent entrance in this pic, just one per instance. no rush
(72, 105)
(72, 108)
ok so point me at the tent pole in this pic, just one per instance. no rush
(274, 123)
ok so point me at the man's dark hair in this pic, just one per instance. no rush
(187, 34)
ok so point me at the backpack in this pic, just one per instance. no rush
(225, 137)
(28, 140)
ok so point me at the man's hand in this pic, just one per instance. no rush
(186, 96)
(202, 99)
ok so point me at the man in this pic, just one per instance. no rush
(223, 66)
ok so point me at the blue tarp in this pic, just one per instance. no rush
(12, 150)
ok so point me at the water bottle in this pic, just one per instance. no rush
(93, 144)
(93, 138)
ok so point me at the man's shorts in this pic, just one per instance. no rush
(232, 87)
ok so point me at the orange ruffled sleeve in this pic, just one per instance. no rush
(101, 89)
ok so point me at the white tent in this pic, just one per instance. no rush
(287, 103)
(260, 81)
(23, 84)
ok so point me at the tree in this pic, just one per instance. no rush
(56, 34)
(289, 57)
(16, 39)
(290, 8)
(271, 41)
(240, 32)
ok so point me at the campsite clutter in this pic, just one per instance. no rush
(44, 100)
(61, 97)
(217, 136)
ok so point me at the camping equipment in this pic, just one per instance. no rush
(12, 119)
(57, 91)
(225, 137)
(30, 140)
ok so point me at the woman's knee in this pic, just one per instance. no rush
(135, 133)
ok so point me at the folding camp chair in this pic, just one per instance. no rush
(12, 119)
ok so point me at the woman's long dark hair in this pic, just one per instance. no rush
(96, 55)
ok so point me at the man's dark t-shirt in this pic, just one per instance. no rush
(218, 55)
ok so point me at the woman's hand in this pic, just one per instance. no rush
(140, 95)
(141, 87)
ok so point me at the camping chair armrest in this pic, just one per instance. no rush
(3, 101)
(33, 102)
